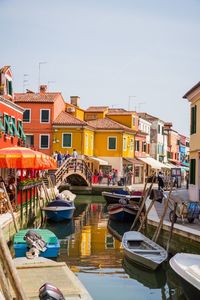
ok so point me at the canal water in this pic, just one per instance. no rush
(96, 257)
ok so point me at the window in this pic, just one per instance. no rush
(67, 140)
(144, 146)
(133, 121)
(158, 128)
(124, 144)
(30, 140)
(9, 87)
(193, 119)
(137, 145)
(27, 116)
(112, 143)
(44, 115)
(192, 171)
(131, 144)
(44, 141)
(8, 124)
(86, 141)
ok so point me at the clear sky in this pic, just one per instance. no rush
(106, 51)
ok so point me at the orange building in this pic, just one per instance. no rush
(11, 128)
(41, 109)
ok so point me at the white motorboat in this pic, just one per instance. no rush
(143, 251)
(187, 266)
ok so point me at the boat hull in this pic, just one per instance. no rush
(187, 267)
(114, 198)
(59, 215)
(141, 250)
(122, 213)
(53, 245)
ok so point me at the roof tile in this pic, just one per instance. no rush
(67, 119)
(36, 97)
(108, 124)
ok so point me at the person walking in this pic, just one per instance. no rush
(59, 159)
(160, 181)
(75, 154)
(100, 178)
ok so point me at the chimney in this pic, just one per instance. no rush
(75, 100)
(43, 89)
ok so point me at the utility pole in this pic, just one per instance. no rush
(129, 101)
(40, 63)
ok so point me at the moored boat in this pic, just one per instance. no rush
(187, 267)
(36, 242)
(37, 272)
(143, 251)
(59, 210)
(120, 196)
(123, 212)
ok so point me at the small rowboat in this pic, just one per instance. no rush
(59, 210)
(187, 266)
(143, 251)
(120, 196)
(123, 212)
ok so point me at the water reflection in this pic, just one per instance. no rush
(150, 279)
(92, 251)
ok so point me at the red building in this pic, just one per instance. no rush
(11, 115)
(41, 109)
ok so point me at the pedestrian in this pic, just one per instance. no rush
(109, 177)
(59, 159)
(67, 155)
(100, 176)
(187, 179)
(160, 181)
(74, 153)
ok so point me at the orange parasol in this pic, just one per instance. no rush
(25, 158)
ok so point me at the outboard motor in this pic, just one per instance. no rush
(50, 292)
(35, 243)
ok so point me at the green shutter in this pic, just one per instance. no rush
(2, 128)
(112, 143)
(21, 131)
(193, 119)
(67, 140)
(15, 128)
(192, 171)
(7, 120)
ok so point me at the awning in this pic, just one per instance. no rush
(99, 160)
(133, 161)
(155, 164)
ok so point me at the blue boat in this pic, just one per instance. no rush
(59, 210)
(123, 212)
(36, 242)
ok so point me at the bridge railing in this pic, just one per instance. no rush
(75, 166)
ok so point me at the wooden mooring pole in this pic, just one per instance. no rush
(10, 206)
(172, 226)
(145, 194)
(11, 270)
(158, 229)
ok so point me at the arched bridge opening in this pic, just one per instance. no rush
(75, 172)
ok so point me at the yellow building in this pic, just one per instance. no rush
(193, 96)
(124, 117)
(96, 112)
(74, 109)
(72, 133)
(113, 142)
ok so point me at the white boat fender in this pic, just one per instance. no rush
(32, 253)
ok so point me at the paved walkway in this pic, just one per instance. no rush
(184, 228)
